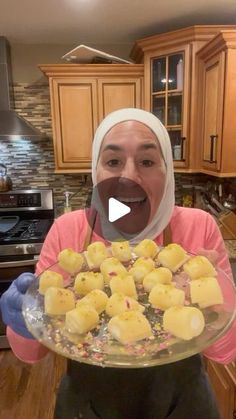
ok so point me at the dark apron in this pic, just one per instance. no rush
(175, 391)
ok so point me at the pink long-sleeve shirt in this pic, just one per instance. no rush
(193, 229)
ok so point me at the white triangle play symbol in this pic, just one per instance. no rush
(116, 209)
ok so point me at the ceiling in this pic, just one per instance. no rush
(105, 21)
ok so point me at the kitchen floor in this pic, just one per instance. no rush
(29, 391)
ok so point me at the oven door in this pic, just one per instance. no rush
(8, 272)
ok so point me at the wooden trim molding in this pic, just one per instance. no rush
(222, 41)
(92, 70)
(177, 37)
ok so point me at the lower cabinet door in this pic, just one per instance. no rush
(223, 381)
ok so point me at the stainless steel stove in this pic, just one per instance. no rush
(25, 218)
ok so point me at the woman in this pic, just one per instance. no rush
(133, 147)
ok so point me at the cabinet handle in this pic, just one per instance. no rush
(234, 414)
(182, 148)
(212, 149)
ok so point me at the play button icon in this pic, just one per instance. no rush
(119, 208)
(116, 210)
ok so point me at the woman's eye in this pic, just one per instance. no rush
(147, 163)
(113, 163)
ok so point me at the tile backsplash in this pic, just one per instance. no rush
(30, 164)
(30, 161)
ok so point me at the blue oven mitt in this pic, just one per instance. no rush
(11, 304)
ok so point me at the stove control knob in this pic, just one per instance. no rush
(19, 250)
(30, 248)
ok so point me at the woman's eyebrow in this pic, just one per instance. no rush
(145, 146)
(113, 147)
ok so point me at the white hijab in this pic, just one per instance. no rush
(165, 209)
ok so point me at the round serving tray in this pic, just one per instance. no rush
(99, 348)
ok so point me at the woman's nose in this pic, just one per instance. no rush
(130, 172)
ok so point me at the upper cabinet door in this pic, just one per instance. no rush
(213, 88)
(74, 112)
(217, 105)
(114, 94)
(170, 97)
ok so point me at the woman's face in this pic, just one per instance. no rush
(131, 154)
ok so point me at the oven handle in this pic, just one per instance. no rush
(18, 263)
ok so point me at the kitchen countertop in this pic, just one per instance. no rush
(231, 248)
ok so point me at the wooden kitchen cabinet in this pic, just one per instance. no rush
(171, 86)
(169, 95)
(223, 381)
(81, 96)
(217, 105)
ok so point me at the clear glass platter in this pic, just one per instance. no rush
(99, 348)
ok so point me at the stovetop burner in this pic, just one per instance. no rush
(27, 230)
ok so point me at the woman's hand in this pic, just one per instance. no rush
(11, 304)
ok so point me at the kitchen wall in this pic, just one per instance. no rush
(25, 58)
(30, 162)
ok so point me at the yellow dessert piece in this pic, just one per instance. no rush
(70, 261)
(141, 267)
(198, 266)
(81, 319)
(124, 285)
(205, 292)
(50, 279)
(96, 299)
(145, 262)
(172, 256)
(146, 248)
(58, 301)
(163, 296)
(157, 276)
(111, 267)
(183, 322)
(121, 251)
(129, 327)
(88, 281)
(118, 303)
(96, 253)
